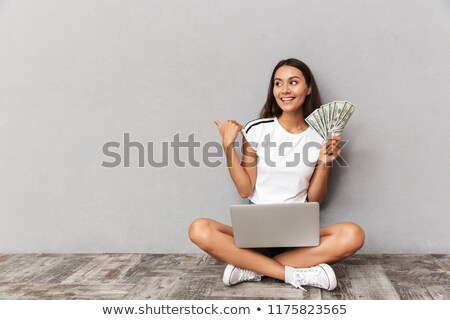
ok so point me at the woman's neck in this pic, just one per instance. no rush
(293, 122)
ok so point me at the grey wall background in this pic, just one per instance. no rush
(77, 74)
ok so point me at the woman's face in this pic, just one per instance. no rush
(290, 88)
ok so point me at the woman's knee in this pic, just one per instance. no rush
(200, 232)
(351, 238)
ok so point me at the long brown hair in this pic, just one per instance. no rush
(312, 101)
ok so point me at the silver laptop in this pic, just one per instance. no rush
(276, 225)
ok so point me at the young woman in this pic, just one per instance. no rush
(292, 96)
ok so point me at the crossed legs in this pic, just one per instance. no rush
(337, 242)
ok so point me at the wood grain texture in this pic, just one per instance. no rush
(52, 291)
(442, 260)
(370, 282)
(199, 276)
(441, 292)
(104, 269)
(154, 288)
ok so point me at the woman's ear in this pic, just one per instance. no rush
(309, 91)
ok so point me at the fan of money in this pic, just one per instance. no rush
(330, 119)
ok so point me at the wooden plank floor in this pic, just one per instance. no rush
(197, 276)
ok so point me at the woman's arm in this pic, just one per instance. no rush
(318, 184)
(243, 174)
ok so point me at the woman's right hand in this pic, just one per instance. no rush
(229, 131)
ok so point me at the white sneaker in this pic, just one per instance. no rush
(321, 276)
(234, 275)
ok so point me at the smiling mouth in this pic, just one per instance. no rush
(287, 99)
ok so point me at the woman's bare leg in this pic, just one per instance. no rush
(337, 242)
(217, 240)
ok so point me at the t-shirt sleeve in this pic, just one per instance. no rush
(251, 135)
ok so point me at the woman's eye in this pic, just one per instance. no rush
(294, 82)
(277, 84)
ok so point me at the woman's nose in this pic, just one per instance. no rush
(286, 88)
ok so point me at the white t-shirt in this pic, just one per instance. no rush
(286, 161)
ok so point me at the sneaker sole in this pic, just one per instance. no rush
(227, 274)
(330, 275)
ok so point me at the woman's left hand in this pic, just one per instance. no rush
(330, 151)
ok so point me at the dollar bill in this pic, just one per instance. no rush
(326, 116)
(339, 110)
(316, 116)
(312, 122)
(330, 119)
(348, 111)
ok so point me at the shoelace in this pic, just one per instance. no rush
(305, 276)
(245, 274)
